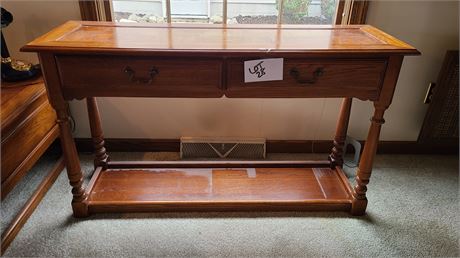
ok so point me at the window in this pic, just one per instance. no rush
(226, 11)
(220, 11)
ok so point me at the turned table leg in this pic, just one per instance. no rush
(363, 174)
(56, 98)
(101, 158)
(74, 173)
(336, 156)
(359, 202)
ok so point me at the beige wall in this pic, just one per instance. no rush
(432, 27)
(33, 18)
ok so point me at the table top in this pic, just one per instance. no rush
(85, 36)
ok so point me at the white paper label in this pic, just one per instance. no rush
(262, 70)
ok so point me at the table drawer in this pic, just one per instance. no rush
(312, 78)
(113, 76)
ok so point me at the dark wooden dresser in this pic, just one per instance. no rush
(28, 128)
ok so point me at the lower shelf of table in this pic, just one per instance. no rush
(216, 189)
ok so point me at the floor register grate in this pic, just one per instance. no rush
(222, 148)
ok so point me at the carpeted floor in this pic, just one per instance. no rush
(21, 193)
(413, 211)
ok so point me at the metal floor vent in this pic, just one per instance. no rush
(223, 148)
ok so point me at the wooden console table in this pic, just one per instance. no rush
(95, 59)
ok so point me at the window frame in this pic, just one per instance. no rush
(348, 11)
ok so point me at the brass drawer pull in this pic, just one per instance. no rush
(132, 75)
(294, 72)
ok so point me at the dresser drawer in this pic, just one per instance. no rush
(112, 76)
(19, 143)
(312, 78)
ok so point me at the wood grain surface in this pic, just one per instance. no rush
(88, 59)
(28, 127)
(339, 78)
(232, 189)
(161, 38)
(106, 76)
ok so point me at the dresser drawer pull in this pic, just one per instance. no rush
(294, 72)
(132, 75)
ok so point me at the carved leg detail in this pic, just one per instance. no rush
(365, 165)
(101, 157)
(336, 156)
(74, 172)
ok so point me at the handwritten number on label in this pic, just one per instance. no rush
(258, 69)
(262, 70)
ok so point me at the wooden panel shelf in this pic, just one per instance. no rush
(170, 189)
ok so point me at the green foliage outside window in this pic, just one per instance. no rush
(328, 8)
(295, 8)
(296, 11)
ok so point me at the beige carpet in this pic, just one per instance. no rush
(413, 211)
